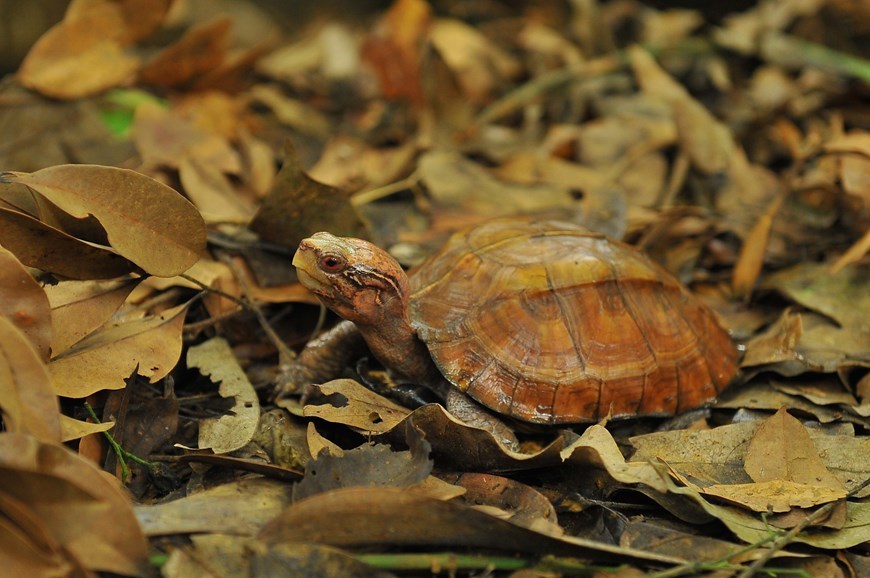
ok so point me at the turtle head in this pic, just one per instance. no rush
(357, 280)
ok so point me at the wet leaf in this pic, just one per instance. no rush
(138, 213)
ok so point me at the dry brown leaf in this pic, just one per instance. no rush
(597, 447)
(241, 508)
(394, 516)
(837, 296)
(79, 308)
(44, 247)
(24, 303)
(81, 508)
(202, 48)
(774, 496)
(227, 433)
(105, 359)
(480, 66)
(749, 264)
(369, 465)
(166, 137)
(776, 343)
(27, 398)
(853, 255)
(212, 193)
(356, 406)
(468, 448)
(458, 183)
(292, 112)
(522, 504)
(145, 220)
(74, 59)
(394, 49)
(782, 449)
(317, 443)
(298, 206)
(351, 164)
(73, 429)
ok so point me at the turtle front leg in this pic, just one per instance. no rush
(322, 359)
(473, 414)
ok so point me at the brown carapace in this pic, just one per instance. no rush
(540, 320)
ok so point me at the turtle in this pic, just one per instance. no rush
(539, 320)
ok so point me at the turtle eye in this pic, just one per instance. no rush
(330, 263)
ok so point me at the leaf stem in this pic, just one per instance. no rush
(123, 455)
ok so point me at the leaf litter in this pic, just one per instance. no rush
(735, 150)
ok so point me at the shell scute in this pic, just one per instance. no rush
(550, 323)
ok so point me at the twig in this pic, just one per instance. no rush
(285, 352)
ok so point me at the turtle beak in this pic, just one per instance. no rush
(305, 261)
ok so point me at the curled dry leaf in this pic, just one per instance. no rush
(39, 245)
(27, 399)
(25, 304)
(597, 448)
(145, 220)
(469, 448)
(105, 359)
(66, 501)
(225, 434)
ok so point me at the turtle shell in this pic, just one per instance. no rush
(550, 323)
